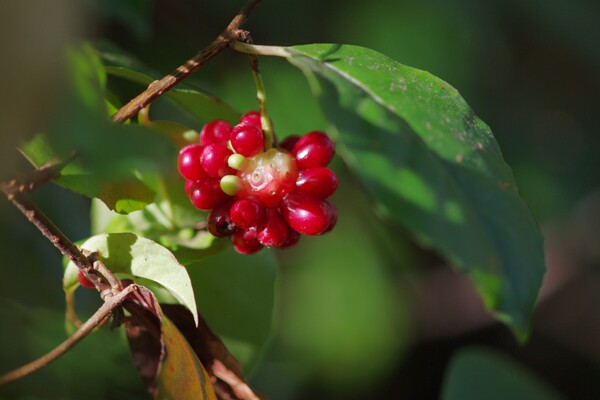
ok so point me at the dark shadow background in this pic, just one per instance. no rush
(529, 69)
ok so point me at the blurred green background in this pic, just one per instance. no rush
(362, 313)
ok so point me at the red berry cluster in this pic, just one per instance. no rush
(257, 197)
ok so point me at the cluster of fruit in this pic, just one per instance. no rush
(260, 197)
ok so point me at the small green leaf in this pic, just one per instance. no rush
(181, 376)
(135, 256)
(482, 374)
(431, 165)
(123, 194)
(236, 296)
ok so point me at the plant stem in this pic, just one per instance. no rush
(103, 312)
(259, 50)
(158, 88)
(261, 96)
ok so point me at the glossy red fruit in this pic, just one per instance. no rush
(219, 221)
(334, 217)
(319, 182)
(206, 194)
(188, 187)
(245, 241)
(247, 212)
(292, 239)
(214, 160)
(84, 281)
(306, 214)
(269, 176)
(189, 164)
(273, 231)
(247, 140)
(315, 149)
(289, 142)
(251, 118)
(215, 132)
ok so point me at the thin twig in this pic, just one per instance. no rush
(158, 88)
(38, 177)
(99, 316)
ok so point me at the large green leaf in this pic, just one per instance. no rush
(236, 296)
(481, 374)
(431, 165)
(135, 256)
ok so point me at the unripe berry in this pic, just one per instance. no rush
(219, 221)
(306, 214)
(247, 212)
(189, 164)
(214, 160)
(273, 231)
(247, 140)
(84, 281)
(215, 132)
(245, 241)
(206, 194)
(319, 182)
(313, 150)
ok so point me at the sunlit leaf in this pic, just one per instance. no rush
(432, 166)
(129, 255)
(481, 374)
(181, 375)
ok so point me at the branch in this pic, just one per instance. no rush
(99, 316)
(158, 88)
(14, 192)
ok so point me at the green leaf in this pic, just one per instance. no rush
(124, 193)
(181, 375)
(135, 256)
(236, 296)
(482, 374)
(200, 105)
(431, 165)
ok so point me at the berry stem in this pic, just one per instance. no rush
(261, 96)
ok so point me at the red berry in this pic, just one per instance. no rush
(313, 150)
(306, 214)
(320, 182)
(188, 162)
(289, 142)
(292, 238)
(273, 231)
(214, 160)
(247, 140)
(219, 221)
(206, 194)
(251, 118)
(334, 217)
(188, 187)
(269, 176)
(245, 241)
(247, 212)
(84, 281)
(215, 132)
